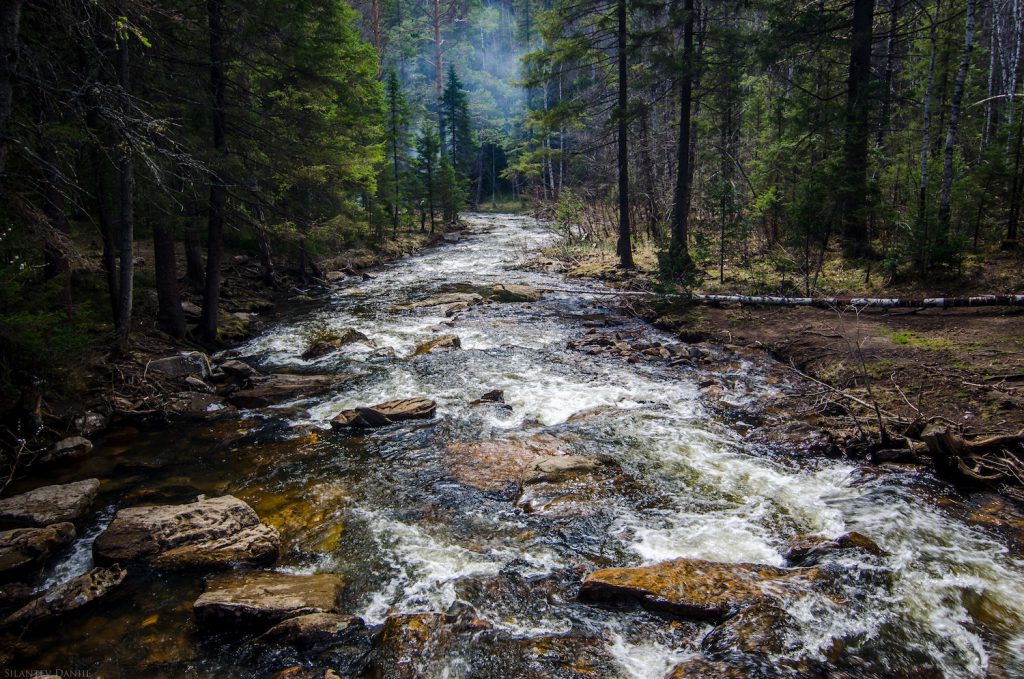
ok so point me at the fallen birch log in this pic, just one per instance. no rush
(819, 302)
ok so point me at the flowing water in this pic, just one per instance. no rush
(383, 509)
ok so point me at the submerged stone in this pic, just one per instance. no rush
(65, 450)
(386, 413)
(325, 345)
(419, 644)
(49, 504)
(806, 550)
(696, 588)
(762, 629)
(215, 532)
(261, 600)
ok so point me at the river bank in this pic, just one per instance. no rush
(487, 480)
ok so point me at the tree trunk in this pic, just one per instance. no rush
(624, 248)
(194, 267)
(435, 24)
(679, 252)
(10, 19)
(218, 191)
(946, 189)
(855, 154)
(168, 298)
(887, 78)
(127, 208)
(926, 119)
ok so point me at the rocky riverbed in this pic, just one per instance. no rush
(447, 470)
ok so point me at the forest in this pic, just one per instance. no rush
(511, 338)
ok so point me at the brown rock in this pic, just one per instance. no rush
(70, 596)
(386, 413)
(442, 342)
(22, 548)
(702, 668)
(467, 298)
(493, 396)
(494, 464)
(514, 293)
(216, 532)
(49, 504)
(695, 588)
(759, 629)
(419, 644)
(317, 630)
(266, 391)
(262, 600)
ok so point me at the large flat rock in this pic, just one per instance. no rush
(22, 548)
(49, 504)
(495, 464)
(262, 600)
(214, 532)
(694, 588)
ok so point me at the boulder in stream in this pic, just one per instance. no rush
(214, 532)
(266, 391)
(806, 550)
(494, 464)
(695, 588)
(239, 369)
(66, 450)
(509, 292)
(386, 413)
(49, 504)
(761, 629)
(68, 597)
(413, 645)
(247, 601)
(445, 300)
(22, 548)
(442, 342)
(322, 346)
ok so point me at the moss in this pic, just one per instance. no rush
(906, 338)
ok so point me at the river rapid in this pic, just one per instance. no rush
(383, 509)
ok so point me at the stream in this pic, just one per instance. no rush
(383, 509)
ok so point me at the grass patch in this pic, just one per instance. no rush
(906, 338)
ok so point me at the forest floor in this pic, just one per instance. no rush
(963, 367)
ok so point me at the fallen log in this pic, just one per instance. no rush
(819, 302)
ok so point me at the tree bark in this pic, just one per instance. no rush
(435, 24)
(679, 252)
(855, 155)
(10, 20)
(946, 190)
(218, 191)
(624, 248)
(194, 266)
(168, 298)
(126, 188)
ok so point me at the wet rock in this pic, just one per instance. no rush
(547, 657)
(22, 548)
(233, 326)
(89, 423)
(386, 413)
(494, 464)
(325, 345)
(335, 276)
(49, 504)
(182, 365)
(699, 667)
(345, 636)
(215, 532)
(66, 450)
(514, 293)
(309, 518)
(696, 588)
(442, 342)
(72, 595)
(761, 629)
(419, 644)
(467, 298)
(806, 550)
(266, 391)
(262, 600)
(493, 396)
(239, 369)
